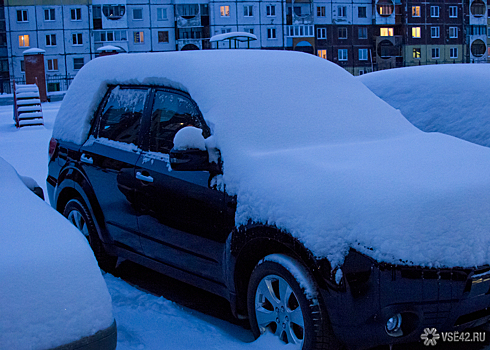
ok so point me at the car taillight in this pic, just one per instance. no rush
(52, 147)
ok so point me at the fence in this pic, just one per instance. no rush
(53, 83)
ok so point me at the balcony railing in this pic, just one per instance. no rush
(300, 31)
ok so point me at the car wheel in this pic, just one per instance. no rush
(283, 298)
(77, 213)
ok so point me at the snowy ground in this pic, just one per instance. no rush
(144, 320)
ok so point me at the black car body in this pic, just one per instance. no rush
(163, 208)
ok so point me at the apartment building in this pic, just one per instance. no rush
(359, 35)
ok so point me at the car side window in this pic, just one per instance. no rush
(121, 116)
(170, 113)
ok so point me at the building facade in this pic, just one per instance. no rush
(359, 35)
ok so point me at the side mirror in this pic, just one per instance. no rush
(189, 159)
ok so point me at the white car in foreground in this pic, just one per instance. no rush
(52, 294)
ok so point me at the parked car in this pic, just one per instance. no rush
(52, 292)
(279, 182)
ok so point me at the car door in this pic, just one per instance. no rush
(180, 215)
(108, 158)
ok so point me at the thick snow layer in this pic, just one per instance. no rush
(51, 289)
(189, 138)
(242, 36)
(449, 98)
(308, 148)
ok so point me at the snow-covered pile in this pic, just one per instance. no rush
(51, 289)
(310, 149)
(451, 98)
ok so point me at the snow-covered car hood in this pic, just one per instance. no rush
(51, 290)
(310, 149)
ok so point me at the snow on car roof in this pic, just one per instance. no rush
(447, 98)
(52, 292)
(308, 148)
(242, 36)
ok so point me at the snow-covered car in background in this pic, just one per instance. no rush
(52, 293)
(281, 183)
(447, 98)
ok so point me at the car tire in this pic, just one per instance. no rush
(77, 213)
(283, 298)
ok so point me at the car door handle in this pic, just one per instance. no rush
(142, 177)
(86, 159)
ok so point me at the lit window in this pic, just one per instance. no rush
(49, 15)
(342, 53)
(76, 14)
(320, 11)
(139, 37)
(112, 12)
(271, 10)
(137, 14)
(341, 11)
(361, 12)
(415, 11)
(386, 31)
(24, 40)
(362, 33)
(453, 32)
(434, 11)
(435, 53)
(363, 54)
(248, 10)
(161, 14)
(224, 11)
(163, 36)
(322, 54)
(415, 32)
(453, 52)
(51, 40)
(271, 33)
(416, 53)
(434, 32)
(453, 11)
(321, 33)
(53, 64)
(77, 39)
(21, 15)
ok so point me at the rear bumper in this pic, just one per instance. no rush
(105, 339)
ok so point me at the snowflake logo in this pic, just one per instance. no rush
(430, 336)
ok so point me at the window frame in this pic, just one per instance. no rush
(416, 11)
(321, 11)
(76, 14)
(248, 10)
(455, 10)
(23, 41)
(455, 31)
(364, 8)
(434, 11)
(158, 37)
(321, 33)
(322, 53)
(365, 33)
(134, 13)
(271, 33)
(343, 57)
(24, 16)
(160, 12)
(49, 14)
(417, 53)
(49, 40)
(341, 11)
(417, 31)
(343, 30)
(78, 39)
(365, 54)
(453, 50)
(435, 32)
(138, 37)
(53, 62)
(435, 50)
(270, 10)
(75, 65)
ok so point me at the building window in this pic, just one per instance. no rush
(434, 32)
(248, 10)
(53, 64)
(49, 15)
(361, 12)
(453, 52)
(21, 15)
(77, 63)
(225, 30)
(163, 36)
(415, 32)
(322, 54)
(453, 11)
(362, 33)
(77, 39)
(271, 33)
(434, 11)
(341, 11)
(435, 53)
(321, 33)
(363, 54)
(138, 37)
(415, 11)
(110, 35)
(22, 66)
(224, 11)
(386, 31)
(76, 14)
(24, 40)
(342, 54)
(416, 52)
(138, 14)
(342, 33)
(51, 40)
(271, 10)
(113, 12)
(161, 14)
(249, 30)
(53, 87)
(453, 32)
(320, 11)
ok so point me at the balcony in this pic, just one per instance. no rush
(299, 31)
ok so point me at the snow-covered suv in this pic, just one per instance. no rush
(279, 182)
